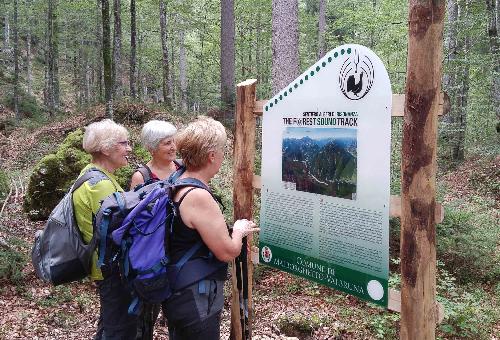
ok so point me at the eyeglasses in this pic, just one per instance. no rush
(124, 143)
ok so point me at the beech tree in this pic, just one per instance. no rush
(321, 28)
(492, 9)
(106, 58)
(117, 50)
(51, 92)
(227, 57)
(285, 43)
(16, 61)
(167, 96)
(133, 50)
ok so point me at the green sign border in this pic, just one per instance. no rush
(329, 274)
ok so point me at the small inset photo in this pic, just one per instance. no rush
(320, 160)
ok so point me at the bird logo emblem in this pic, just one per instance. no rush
(356, 76)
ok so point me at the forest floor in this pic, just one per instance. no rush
(284, 306)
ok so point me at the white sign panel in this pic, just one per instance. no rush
(325, 174)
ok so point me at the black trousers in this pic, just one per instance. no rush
(194, 312)
(114, 321)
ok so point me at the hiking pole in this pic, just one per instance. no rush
(239, 286)
(244, 271)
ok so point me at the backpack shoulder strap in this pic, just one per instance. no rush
(146, 172)
(194, 183)
(178, 163)
(85, 177)
(190, 182)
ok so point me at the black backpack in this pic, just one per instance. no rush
(59, 254)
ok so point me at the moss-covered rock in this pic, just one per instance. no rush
(55, 173)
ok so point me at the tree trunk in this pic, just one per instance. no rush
(285, 43)
(171, 78)
(492, 8)
(106, 59)
(183, 71)
(456, 82)
(52, 80)
(258, 43)
(28, 62)
(227, 58)
(167, 95)
(418, 168)
(117, 50)
(450, 78)
(16, 62)
(321, 28)
(133, 48)
(6, 33)
(99, 76)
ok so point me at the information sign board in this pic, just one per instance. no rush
(325, 175)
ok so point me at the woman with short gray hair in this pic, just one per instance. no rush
(107, 143)
(157, 137)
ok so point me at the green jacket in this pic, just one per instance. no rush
(87, 201)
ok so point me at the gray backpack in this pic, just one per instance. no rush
(59, 254)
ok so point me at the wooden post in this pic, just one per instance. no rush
(243, 166)
(418, 234)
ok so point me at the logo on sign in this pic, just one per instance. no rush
(356, 76)
(267, 255)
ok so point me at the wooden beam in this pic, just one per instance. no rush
(394, 204)
(243, 165)
(394, 304)
(418, 169)
(398, 105)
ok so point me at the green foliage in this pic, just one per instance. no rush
(301, 326)
(53, 175)
(469, 312)
(385, 325)
(485, 178)
(12, 262)
(4, 184)
(467, 242)
(57, 296)
(28, 106)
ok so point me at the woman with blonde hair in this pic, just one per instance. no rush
(193, 312)
(107, 143)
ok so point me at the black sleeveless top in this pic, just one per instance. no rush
(183, 238)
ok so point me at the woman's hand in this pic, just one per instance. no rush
(245, 227)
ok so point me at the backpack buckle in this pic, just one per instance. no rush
(165, 261)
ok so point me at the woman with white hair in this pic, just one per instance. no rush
(157, 137)
(193, 312)
(107, 143)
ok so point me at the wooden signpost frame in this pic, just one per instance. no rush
(248, 108)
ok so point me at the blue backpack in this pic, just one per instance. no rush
(135, 233)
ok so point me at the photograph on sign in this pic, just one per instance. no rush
(325, 175)
(320, 161)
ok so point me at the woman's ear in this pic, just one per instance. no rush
(211, 156)
(107, 151)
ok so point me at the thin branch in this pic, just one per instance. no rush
(6, 200)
